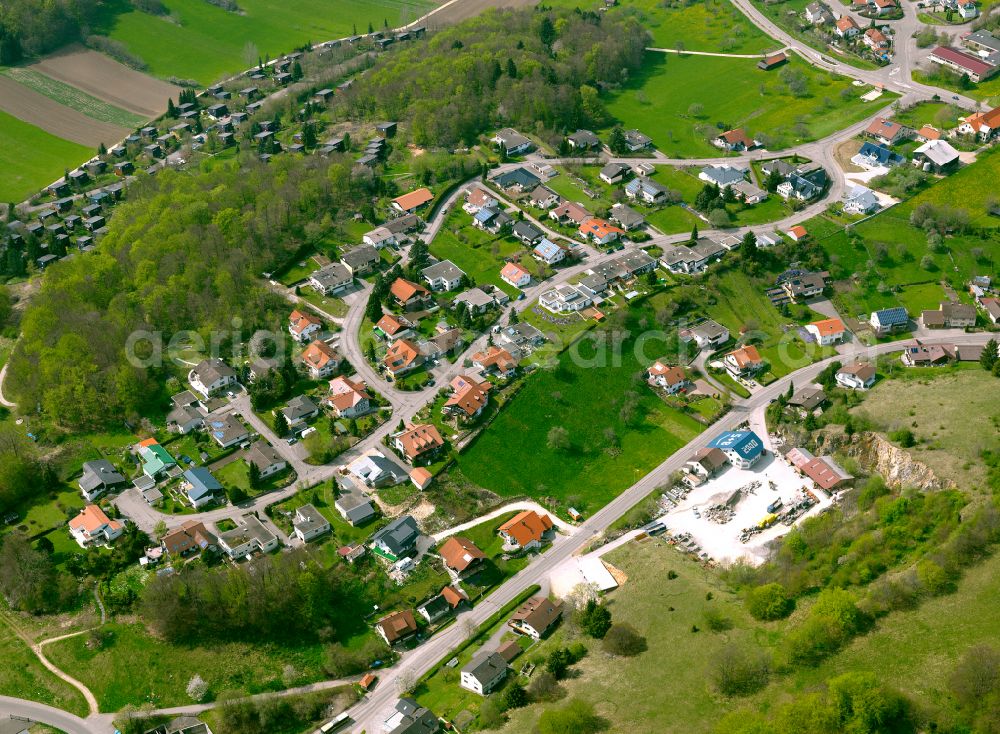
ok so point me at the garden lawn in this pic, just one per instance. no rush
(987, 90)
(663, 689)
(584, 394)
(40, 516)
(22, 676)
(714, 25)
(32, 158)
(940, 115)
(479, 254)
(120, 672)
(327, 304)
(659, 101)
(205, 42)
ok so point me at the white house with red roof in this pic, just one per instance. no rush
(304, 326)
(827, 331)
(671, 379)
(516, 275)
(93, 527)
(348, 398)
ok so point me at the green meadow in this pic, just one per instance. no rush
(203, 42)
(676, 101)
(32, 158)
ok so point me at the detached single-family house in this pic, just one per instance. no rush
(361, 260)
(397, 539)
(888, 132)
(320, 359)
(304, 326)
(200, 487)
(331, 279)
(636, 141)
(248, 537)
(846, 27)
(155, 459)
(355, 507)
(491, 219)
(268, 461)
(391, 327)
(570, 212)
(627, 217)
(708, 333)
(723, 175)
(512, 141)
(889, 321)
(441, 605)
(548, 252)
(873, 155)
(484, 672)
(227, 430)
(877, 42)
(807, 399)
(478, 198)
(412, 201)
(192, 536)
(614, 173)
(408, 717)
(211, 376)
(93, 527)
(856, 376)
(99, 476)
(536, 617)
(646, 191)
(706, 463)
(495, 360)
(527, 232)
(468, 399)
(309, 523)
(600, 231)
(744, 361)
(542, 197)
(299, 410)
(742, 448)
(565, 299)
(818, 14)
(526, 530)
(348, 398)
(461, 555)
(408, 295)
(517, 180)
(861, 200)
(401, 357)
(443, 276)
(670, 378)
(735, 141)
(984, 125)
(583, 140)
(379, 237)
(417, 442)
(827, 331)
(516, 275)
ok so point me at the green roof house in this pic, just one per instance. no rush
(155, 458)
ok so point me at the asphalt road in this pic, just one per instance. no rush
(56, 718)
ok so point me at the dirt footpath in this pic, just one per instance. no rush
(52, 117)
(104, 78)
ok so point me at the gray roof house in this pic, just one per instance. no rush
(722, 176)
(355, 507)
(360, 260)
(98, 477)
(527, 232)
(627, 217)
(299, 409)
(309, 523)
(484, 672)
(512, 141)
(397, 538)
(331, 278)
(443, 276)
(583, 140)
(408, 717)
(614, 172)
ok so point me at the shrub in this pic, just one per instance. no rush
(576, 717)
(624, 640)
(717, 621)
(769, 602)
(594, 619)
(736, 671)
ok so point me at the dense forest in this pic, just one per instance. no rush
(522, 68)
(32, 27)
(186, 252)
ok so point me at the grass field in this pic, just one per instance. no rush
(32, 158)
(74, 98)
(119, 673)
(203, 42)
(987, 90)
(714, 25)
(585, 394)
(953, 415)
(23, 676)
(938, 114)
(663, 689)
(663, 100)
